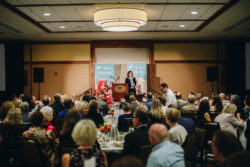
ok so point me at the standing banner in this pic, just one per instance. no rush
(140, 73)
(104, 76)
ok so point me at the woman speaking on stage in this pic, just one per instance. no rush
(131, 81)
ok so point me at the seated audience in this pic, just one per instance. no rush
(203, 113)
(190, 106)
(48, 116)
(239, 159)
(122, 118)
(247, 107)
(216, 105)
(134, 140)
(127, 161)
(188, 124)
(177, 133)
(164, 153)
(57, 105)
(180, 101)
(38, 133)
(93, 113)
(133, 103)
(199, 98)
(223, 99)
(235, 99)
(71, 118)
(163, 101)
(84, 134)
(149, 100)
(102, 105)
(228, 121)
(17, 103)
(24, 107)
(5, 107)
(224, 144)
(13, 117)
(82, 107)
(45, 100)
(155, 113)
(68, 104)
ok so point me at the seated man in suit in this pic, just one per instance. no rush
(134, 140)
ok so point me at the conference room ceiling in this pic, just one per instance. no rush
(216, 20)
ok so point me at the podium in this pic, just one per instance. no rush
(118, 91)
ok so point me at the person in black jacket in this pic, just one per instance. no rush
(93, 113)
(131, 81)
(134, 140)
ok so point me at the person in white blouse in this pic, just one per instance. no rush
(171, 99)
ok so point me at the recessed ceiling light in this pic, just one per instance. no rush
(46, 14)
(62, 27)
(182, 25)
(194, 12)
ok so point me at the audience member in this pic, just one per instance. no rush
(199, 97)
(46, 100)
(122, 118)
(102, 105)
(180, 101)
(82, 107)
(203, 113)
(5, 107)
(17, 103)
(134, 140)
(133, 103)
(155, 113)
(228, 121)
(171, 99)
(93, 113)
(57, 105)
(24, 107)
(164, 153)
(177, 133)
(127, 161)
(239, 159)
(188, 124)
(224, 144)
(190, 106)
(48, 116)
(68, 104)
(235, 99)
(84, 134)
(71, 118)
(149, 100)
(247, 134)
(223, 99)
(13, 117)
(163, 101)
(38, 133)
(216, 104)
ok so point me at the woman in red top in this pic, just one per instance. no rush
(48, 116)
(102, 89)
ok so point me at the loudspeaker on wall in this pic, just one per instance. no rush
(212, 74)
(38, 75)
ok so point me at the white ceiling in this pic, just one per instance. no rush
(24, 20)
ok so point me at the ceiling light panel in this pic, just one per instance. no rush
(173, 12)
(154, 11)
(211, 11)
(66, 12)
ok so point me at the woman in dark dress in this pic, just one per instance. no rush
(203, 114)
(93, 113)
(131, 81)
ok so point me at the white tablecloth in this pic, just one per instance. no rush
(111, 148)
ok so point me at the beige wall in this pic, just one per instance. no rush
(183, 66)
(66, 68)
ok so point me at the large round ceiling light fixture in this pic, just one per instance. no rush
(120, 19)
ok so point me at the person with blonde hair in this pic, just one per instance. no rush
(228, 121)
(82, 107)
(5, 107)
(84, 134)
(13, 117)
(156, 113)
(177, 133)
(48, 117)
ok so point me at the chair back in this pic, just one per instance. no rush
(145, 152)
(189, 114)
(128, 123)
(211, 128)
(189, 147)
(30, 152)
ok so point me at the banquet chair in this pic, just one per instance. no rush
(30, 153)
(145, 152)
(189, 114)
(128, 123)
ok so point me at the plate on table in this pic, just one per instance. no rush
(118, 143)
